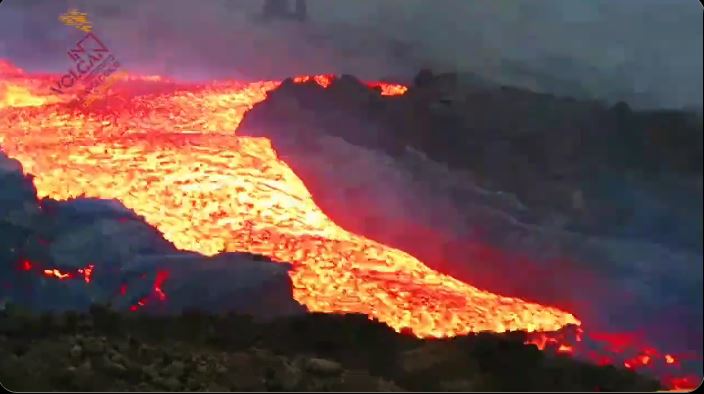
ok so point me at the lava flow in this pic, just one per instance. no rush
(169, 152)
(173, 158)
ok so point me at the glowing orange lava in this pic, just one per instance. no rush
(173, 158)
(169, 152)
(85, 273)
(56, 273)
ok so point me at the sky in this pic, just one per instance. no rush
(647, 52)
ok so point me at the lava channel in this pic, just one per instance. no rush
(168, 151)
(172, 157)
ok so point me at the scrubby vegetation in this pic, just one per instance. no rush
(107, 350)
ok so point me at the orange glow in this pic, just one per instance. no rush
(169, 152)
(388, 89)
(565, 349)
(8, 69)
(161, 277)
(87, 272)
(322, 80)
(685, 383)
(57, 274)
(173, 158)
(644, 358)
(12, 95)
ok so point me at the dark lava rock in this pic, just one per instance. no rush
(541, 148)
(131, 261)
(229, 282)
(176, 355)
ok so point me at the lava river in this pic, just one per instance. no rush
(172, 157)
(169, 151)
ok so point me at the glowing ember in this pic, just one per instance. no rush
(606, 348)
(157, 291)
(57, 274)
(322, 80)
(685, 383)
(87, 272)
(565, 349)
(387, 89)
(139, 304)
(161, 277)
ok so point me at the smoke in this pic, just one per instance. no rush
(648, 53)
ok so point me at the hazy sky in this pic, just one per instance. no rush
(611, 46)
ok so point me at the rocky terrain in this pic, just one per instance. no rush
(104, 350)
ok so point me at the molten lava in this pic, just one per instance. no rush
(85, 273)
(173, 158)
(169, 152)
(58, 274)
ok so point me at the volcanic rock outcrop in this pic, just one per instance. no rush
(578, 164)
(68, 255)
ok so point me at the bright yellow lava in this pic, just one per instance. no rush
(172, 156)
